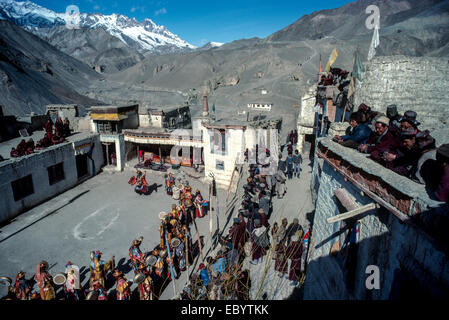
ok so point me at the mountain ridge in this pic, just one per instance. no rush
(143, 36)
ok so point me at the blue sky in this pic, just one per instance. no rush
(200, 21)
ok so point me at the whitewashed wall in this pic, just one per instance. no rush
(36, 165)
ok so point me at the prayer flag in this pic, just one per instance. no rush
(374, 43)
(332, 59)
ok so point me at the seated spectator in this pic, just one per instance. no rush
(66, 128)
(358, 135)
(380, 141)
(21, 148)
(395, 124)
(404, 159)
(329, 80)
(14, 153)
(367, 114)
(30, 146)
(408, 121)
(442, 190)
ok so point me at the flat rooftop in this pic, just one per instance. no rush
(5, 147)
(113, 109)
(166, 109)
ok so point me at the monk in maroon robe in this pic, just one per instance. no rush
(281, 259)
(238, 233)
(294, 252)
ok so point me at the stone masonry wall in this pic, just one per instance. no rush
(412, 83)
(407, 256)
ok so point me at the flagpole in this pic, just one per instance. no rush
(171, 262)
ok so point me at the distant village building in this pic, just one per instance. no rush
(99, 69)
(167, 117)
(110, 122)
(260, 106)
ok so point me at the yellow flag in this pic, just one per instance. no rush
(332, 59)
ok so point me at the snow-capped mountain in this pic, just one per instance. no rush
(143, 36)
(210, 45)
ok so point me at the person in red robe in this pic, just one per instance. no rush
(238, 235)
(281, 259)
(49, 127)
(380, 141)
(198, 202)
(259, 241)
(294, 253)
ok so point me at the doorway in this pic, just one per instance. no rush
(81, 165)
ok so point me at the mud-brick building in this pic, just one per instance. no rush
(367, 215)
(30, 180)
(225, 142)
(110, 122)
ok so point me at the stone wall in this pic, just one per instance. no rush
(36, 165)
(409, 258)
(412, 83)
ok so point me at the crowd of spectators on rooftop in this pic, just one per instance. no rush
(398, 143)
(51, 137)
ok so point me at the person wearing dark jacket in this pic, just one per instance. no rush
(358, 135)
(282, 165)
(294, 252)
(404, 159)
(380, 141)
(395, 124)
(442, 191)
(297, 159)
(292, 229)
(238, 234)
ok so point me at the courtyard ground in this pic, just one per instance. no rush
(104, 213)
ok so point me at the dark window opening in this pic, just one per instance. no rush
(219, 165)
(22, 187)
(81, 165)
(218, 142)
(56, 173)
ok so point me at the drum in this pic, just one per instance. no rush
(59, 279)
(150, 260)
(5, 281)
(175, 242)
(139, 278)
